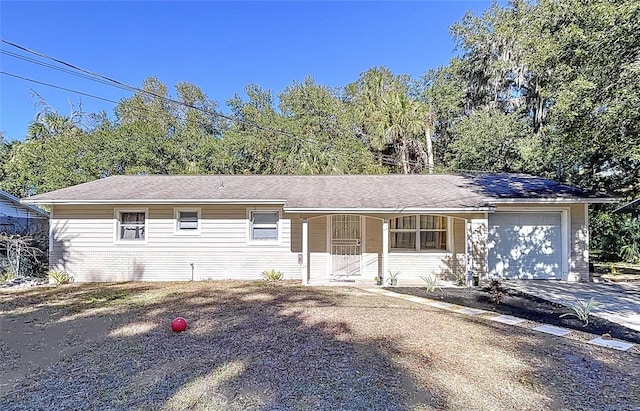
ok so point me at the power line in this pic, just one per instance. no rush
(92, 76)
(54, 67)
(145, 108)
(58, 87)
(96, 77)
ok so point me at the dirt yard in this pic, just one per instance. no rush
(282, 346)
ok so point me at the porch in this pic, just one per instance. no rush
(358, 248)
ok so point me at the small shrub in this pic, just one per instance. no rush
(431, 283)
(59, 277)
(581, 310)
(497, 291)
(630, 253)
(272, 275)
(461, 278)
(393, 277)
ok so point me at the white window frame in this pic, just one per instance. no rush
(250, 239)
(176, 221)
(417, 230)
(116, 232)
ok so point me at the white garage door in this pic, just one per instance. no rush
(525, 245)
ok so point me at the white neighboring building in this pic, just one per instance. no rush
(16, 217)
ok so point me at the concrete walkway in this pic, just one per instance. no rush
(616, 302)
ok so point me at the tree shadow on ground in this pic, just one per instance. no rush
(524, 306)
(572, 373)
(248, 346)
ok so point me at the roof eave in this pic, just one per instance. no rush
(16, 200)
(562, 200)
(399, 210)
(154, 201)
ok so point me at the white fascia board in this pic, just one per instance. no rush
(551, 200)
(154, 201)
(406, 210)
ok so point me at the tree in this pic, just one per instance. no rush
(390, 120)
(310, 132)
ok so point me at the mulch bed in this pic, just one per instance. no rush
(525, 306)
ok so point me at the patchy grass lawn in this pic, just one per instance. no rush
(283, 346)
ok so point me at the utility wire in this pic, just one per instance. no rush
(58, 87)
(83, 73)
(144, 108)
(54, 67)
(96, 76)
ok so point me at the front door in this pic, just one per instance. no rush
(346, 245)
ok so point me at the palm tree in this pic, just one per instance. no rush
(401, 119)
(51, 124)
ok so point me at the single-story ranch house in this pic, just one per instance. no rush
(320, 228)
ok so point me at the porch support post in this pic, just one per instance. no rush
(477, 230)
(469, 251)
(304, 263)
(385, 250)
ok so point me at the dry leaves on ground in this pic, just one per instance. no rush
(282, 346)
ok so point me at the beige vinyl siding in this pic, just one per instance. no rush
(84, 246)
(579, 256)
(372, 256)
(411, 265)
(318, 252)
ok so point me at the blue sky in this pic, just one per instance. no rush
(219, 46)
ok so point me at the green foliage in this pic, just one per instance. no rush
(581, 310)
(59, 277)
(490, 140)
(548, 88)
(391, 120)
(630, 236)
(431, 283)
(393, 277)
(563, 75)
(272, 275)
(615, 236)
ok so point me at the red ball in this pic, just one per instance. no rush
(179, 324)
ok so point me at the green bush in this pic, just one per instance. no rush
(581, 310)
(431, 283)
(272, 275)
(615, 236)
(393, 277)
(59, 277)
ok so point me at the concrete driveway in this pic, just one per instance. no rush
(616, 302)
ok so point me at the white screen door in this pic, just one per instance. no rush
(346, 244)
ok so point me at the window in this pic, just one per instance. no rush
(187, 221)
(429, 234)
(131, 225)
(264, 226)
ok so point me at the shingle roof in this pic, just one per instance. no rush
(392, 191)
